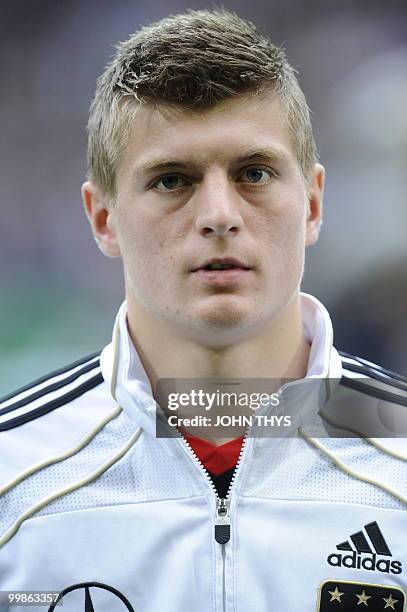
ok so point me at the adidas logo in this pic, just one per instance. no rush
(364, 556)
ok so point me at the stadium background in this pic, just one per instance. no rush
(59, 294)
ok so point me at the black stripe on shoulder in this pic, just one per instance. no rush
(38, 381)
(56, 403)
(381, 376)
(49, 388)
(357, 385)
(375, 367)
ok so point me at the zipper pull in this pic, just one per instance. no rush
(222, 521)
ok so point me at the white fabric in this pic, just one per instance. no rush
(146, 526)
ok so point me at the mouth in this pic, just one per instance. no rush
(221, 265)
(223, 272)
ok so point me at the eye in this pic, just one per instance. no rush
(170, 182)
(256, 175)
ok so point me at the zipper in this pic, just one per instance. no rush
(222, 521)
(222, 517)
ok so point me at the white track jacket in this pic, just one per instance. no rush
(95, 508)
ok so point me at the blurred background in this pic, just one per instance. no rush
(59, 295)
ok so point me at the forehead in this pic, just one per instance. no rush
(226, 131)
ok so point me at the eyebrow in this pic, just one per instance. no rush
(160, 163)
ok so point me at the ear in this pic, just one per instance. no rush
(315, 200)
(101, 218)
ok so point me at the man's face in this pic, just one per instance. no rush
(223, 183)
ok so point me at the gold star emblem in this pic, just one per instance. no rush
(390, 602)
(363, 598)
(336, 595)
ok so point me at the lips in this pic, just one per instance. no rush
(230, 263)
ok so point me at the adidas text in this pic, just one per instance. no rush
(356, 561)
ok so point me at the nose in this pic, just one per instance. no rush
(217, 205)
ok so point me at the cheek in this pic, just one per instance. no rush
(283, 228)
(148, 248)
(282, 234)
(138, 245)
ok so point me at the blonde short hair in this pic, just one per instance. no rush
(190, 61)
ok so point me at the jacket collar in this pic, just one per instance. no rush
(130, 387)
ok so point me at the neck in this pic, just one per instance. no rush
(277, 351)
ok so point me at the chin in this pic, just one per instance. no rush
(224, 318)
(225, 311)
(222, 324)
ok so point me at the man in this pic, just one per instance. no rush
(203, 178)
